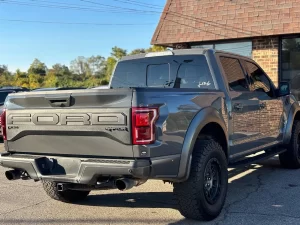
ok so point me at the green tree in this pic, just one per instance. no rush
(80, 66)
(110, 65)
(156, 48)
(34, 81)
(118, 53)
(138, 51)
(51, 79)
(60, 70)
(3, 69)
(37, 67)
(6, 78)
(84, 71)
(96, 65)
(21, 79)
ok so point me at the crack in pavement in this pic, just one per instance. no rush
(266, 214)
(25, 207)
(226, 209)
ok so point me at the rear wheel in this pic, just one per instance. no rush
(203, 195)
(69, 196)
(291, 158)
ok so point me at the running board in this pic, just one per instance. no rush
(254, 159)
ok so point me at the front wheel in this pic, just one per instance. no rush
(69, 196)
(203, 195)
(291, 158)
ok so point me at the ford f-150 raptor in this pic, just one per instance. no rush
(179, 116)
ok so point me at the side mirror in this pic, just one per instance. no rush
(283, 89)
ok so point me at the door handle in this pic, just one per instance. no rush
(59, 101)
(238, 106)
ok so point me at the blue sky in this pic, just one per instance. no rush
(22, 42)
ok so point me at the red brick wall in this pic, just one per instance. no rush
(186, 21)
(265, 53)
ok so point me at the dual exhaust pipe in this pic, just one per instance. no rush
(121, 184)
(16, 175)
(13, 174)
(126, 184)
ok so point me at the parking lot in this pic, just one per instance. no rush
(259, 194)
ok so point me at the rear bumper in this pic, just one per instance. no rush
(88, 171)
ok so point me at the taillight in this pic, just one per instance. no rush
(143, 125)
(3, 124)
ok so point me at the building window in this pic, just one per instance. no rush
(242, 47)
(290, 64)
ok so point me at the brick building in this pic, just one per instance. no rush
(266, 30)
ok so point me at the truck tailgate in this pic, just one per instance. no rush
(81, 122)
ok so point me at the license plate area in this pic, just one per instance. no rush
(58, 166)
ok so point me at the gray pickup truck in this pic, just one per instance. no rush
(179, 116)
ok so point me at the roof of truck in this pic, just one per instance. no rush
(58, 88)
(193, 51)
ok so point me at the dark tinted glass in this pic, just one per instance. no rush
(131, 73)
(158, 75)
(290, 64)
(192, 71)
(235, 74)
(258, 78)
(3, 96)
(195, 75)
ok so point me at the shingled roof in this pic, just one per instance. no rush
(184, 21)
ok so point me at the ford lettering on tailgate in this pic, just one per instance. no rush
(67, 119)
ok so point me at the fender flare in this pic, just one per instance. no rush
(203, 117)
(295, 108)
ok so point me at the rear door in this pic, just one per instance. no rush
(83, 122)
(244, 114)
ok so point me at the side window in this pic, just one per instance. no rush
(195, 76)
(158, 75)
(234, 73)
(258, 79)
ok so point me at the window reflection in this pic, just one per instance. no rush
(241, 47)
(290, 64)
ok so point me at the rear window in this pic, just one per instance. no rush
(158, 75)
(186, 71)
(195, 75)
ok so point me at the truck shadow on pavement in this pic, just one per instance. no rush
(253, 190)
(135, 200)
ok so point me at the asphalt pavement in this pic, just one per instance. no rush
(259, 194)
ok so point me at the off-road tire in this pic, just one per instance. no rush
(69, 196)
(291, 158)
(190, 194)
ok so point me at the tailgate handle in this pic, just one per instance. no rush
(60, 102)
